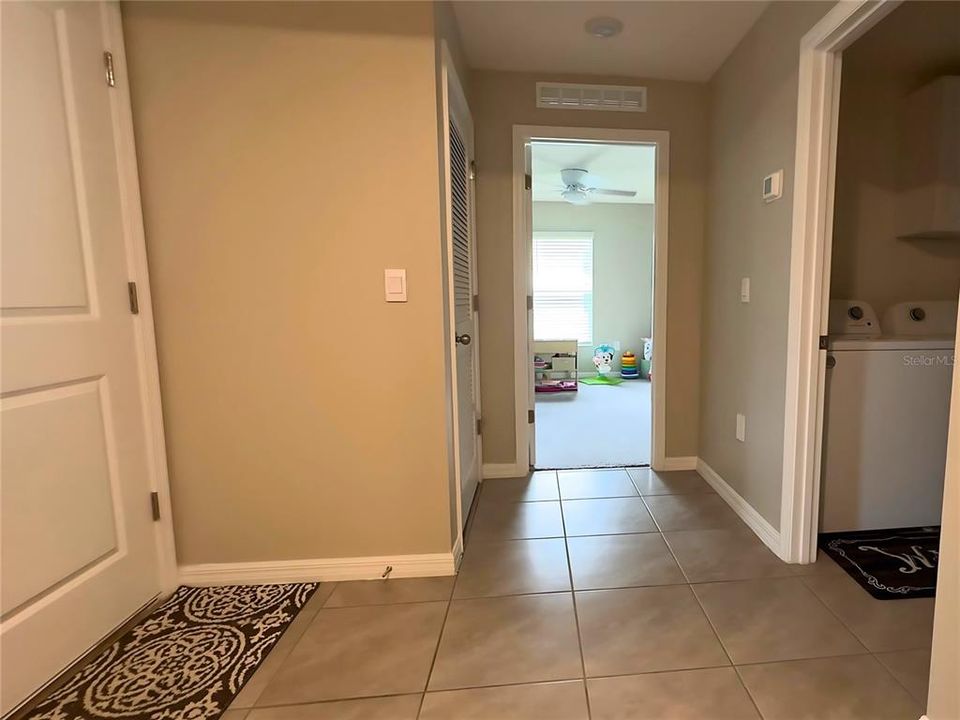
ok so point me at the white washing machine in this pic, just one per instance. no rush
(886, 411)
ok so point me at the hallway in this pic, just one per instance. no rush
(601, 594)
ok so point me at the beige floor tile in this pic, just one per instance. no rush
(679, 482)
(398, 707)
(911, 668)
(388, 592)
(644, 630)
(855, 687)
(614, 561)
(581, 484)
(495, 641)
(234, 714)
(513, 567)
(512, 521)
(556, 701)
(358, 652)
(607, 516)
(715, 693)
(250, 692)
(691, 512)
(726, 554)
(540, 485)
(881, 625)
(773, 619)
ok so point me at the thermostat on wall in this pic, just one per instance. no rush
(773, 186)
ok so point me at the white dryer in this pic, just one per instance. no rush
(886, 411)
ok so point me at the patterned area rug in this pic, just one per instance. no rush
(186, 660)
(889, 564)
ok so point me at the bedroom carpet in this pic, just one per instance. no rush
(598, 426)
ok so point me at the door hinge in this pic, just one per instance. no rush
(823, 342)
(527, 182)
(479, 426)
(531, 416)
(476, 303)
(132, 294)
(529, 302)
(155, 505)
(473, 169)
(108, 69)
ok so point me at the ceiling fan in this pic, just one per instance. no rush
(577, 192)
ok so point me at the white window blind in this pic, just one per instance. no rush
(563, 286)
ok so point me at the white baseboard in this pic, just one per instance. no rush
(754, 520)
(504, 470)
(320, 569)
(679, 463)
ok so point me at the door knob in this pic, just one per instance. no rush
(463, 339)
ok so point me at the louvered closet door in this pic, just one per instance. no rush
(78, 547)
(461, 214)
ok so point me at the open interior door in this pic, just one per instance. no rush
(79, 550)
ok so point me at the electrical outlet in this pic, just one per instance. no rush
(745, 290)
(741, 427)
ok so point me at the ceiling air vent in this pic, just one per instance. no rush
(591, 97)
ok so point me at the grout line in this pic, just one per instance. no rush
(806, 585)
(436, 649)
(723, 647)
(921, 701)
(576, 613)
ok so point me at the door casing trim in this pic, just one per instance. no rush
(818, 105)
(523, 135)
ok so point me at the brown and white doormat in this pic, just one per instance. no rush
(888, 564)
(185, 661)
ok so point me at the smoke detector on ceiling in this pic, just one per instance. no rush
(603, 27)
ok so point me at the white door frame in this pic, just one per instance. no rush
(523, 135)
(818, 106)
(148, 368)
(453, 99)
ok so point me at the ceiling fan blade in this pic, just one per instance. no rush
(618, 193)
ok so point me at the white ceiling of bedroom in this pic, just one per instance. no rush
(667, 40)
(616, 167)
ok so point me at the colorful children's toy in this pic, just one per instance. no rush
(603, 359)
(628, 366)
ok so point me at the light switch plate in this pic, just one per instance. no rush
(741, 427)
(395, 285)
(745, 290)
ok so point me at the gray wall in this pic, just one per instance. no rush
(622, 267)
(503, 99)
(753, 115)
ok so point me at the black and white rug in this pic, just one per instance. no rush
(889, 564)
(185, 661)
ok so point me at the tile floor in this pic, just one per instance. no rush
(601, 594)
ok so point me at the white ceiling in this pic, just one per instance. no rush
(615, 167)
(667, 40)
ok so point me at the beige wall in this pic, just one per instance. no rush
(304, 417)
(502, 100)
(943, 700)
(622, 268)
(916, 43)
(753, 114)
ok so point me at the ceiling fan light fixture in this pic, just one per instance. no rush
(575, 196)
(603, 27)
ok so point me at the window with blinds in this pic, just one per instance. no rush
(563, 286)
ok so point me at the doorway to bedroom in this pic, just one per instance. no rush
(592, 220)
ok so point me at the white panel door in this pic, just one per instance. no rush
(465, 318)
(79, 554)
